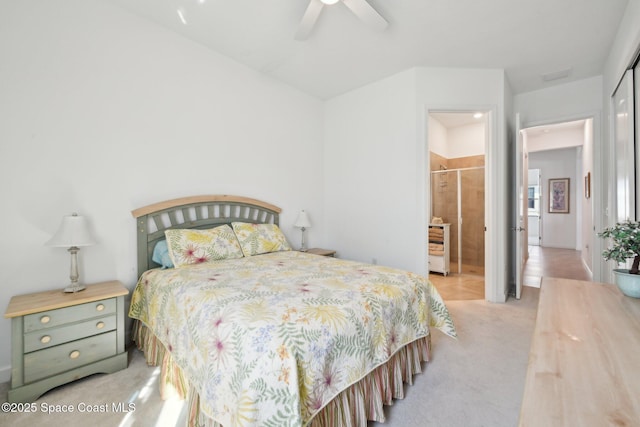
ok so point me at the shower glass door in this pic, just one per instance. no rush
(457, 196)
(472, 220)
(444, 204)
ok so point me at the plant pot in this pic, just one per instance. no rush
(629, 284)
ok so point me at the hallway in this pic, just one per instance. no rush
(553, 262)
(542, 262)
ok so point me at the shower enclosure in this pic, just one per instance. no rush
(457, 196)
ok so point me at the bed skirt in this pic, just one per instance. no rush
(352, 407)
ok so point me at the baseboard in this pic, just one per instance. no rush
(5, 374)
(586, 267)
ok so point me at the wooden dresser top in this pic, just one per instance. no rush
(584, 363)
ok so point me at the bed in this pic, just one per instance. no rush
(270, 336)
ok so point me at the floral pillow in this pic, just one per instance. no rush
(190, 246)
(258, 239)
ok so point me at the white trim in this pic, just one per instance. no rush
(5, 374)
(598, 186)
(586, 267)
(495, 189)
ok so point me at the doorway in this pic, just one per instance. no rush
(457, 200)
(534, 211)
(561, 151)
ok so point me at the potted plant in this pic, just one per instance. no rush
(625, 238)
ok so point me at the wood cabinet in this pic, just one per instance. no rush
(439, 247)
(59, 337)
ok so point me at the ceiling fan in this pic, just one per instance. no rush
(361, 8)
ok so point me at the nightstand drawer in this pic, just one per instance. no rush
(46, 338)
(51, 318)
(48, 362)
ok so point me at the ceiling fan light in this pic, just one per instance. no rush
(329, 2)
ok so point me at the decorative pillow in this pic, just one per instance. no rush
(190, 246)
(161, 254)
(258, 239)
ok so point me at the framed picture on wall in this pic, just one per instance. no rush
(559, 195)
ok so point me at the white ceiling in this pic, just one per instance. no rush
(527, 38)
(456, 119)
(557, 127)
(555, 136)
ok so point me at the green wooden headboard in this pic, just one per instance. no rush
(195, 212)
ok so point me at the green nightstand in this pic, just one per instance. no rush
(59, 337)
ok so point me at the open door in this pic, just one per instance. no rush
(521, 210)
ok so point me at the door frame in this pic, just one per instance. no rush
(520, 218)
(495, 159)
(599, 186)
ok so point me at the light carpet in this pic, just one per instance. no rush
(476, 380)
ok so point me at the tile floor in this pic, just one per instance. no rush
(550, 262)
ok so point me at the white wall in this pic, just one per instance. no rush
(438, 137)
(456, 141)
(370, 173)
(467, 140)
(558, 230)
(376, 180)
(561, 103)
(103, 112)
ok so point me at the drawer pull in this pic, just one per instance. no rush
(100, 307)
(45, 319)
(45, 339)
(74, 354)
(100, 325)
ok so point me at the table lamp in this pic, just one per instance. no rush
(73, 233)
(303, 223)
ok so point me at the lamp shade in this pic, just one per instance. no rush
(303, 220)
(73, 231)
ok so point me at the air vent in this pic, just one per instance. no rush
(556, 75)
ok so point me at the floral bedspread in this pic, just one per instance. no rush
(269, 340)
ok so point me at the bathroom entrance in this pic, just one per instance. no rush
(457, 143)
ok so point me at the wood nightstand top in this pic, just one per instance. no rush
(21, 305)
(320, 251)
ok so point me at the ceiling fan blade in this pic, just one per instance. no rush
(309, 19)
(363, 10)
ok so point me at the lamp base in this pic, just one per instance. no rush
(303, 244)
(74, 288)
